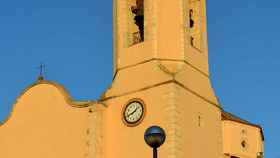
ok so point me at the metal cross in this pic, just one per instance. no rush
(42, 67)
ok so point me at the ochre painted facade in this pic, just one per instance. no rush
(167, 70)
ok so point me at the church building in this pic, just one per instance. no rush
(161, 77)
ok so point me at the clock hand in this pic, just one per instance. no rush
(133, 112)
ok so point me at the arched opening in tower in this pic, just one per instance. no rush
(138, 11)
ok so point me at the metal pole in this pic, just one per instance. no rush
(154, 152)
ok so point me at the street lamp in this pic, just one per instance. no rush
(154, 137)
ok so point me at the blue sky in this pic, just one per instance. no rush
(74, 39)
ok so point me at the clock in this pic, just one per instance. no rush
(133, 112)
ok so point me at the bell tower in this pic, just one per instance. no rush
(161, 78)
(160, 30)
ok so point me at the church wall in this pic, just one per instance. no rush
(170, 30)
(177, 111)
(197, 56)
(235, 133)
(43, 125)
(197, 82)
(123, 141)
(157, 72)
(173, 34)
(138, 77)
(203, 128)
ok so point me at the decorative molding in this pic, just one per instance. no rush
(139, 90)
(198, 95)
(160, 84)
(159, 59)
(173, 128)
(95, 134)
(154, 26)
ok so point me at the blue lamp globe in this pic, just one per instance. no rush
(154, 136)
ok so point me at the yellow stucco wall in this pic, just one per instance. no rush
(177, 111)
(234, 133)
(176, 96)
(43, 124)
(47, 123)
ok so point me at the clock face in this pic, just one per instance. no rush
(133, 112)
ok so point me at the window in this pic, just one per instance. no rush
(243, 144)
(200, 120)
(194, 14)
(136, 27)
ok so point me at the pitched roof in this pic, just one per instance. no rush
(231, 117)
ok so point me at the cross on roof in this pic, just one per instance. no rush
(41, 68)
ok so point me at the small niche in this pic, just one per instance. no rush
(244, 132)
(191, 18)
(243, 144)
(136, 21)
(194, 27)
(90, 110)
(200, 120)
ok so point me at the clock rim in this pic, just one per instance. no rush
(133, 124)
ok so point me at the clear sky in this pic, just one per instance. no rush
(74, 39)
